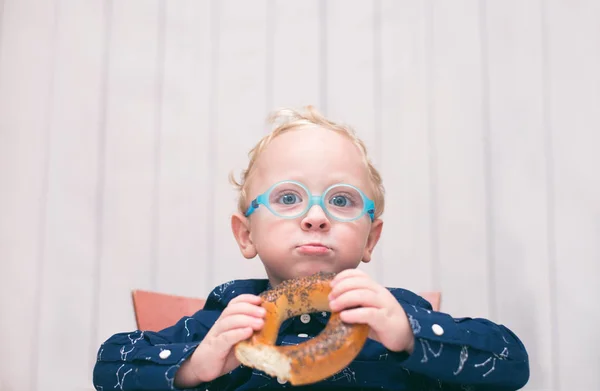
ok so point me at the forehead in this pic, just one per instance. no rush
(315, 156)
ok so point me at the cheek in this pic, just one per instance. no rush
(353, 235)
(268, 231)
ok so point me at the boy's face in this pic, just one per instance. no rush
(314, 242)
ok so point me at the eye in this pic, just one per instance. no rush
(340, 201)
(289, 199)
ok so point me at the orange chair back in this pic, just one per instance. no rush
(155, 311)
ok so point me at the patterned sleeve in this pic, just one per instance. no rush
(475, 353)
(144, 360)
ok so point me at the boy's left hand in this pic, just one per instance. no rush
(362, 300)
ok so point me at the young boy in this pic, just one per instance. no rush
(311, 201)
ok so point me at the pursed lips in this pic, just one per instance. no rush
(313, 248)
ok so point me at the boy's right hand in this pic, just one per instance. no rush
(214, 356)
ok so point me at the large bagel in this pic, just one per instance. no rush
(317, 358)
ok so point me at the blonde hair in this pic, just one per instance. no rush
(289, 119)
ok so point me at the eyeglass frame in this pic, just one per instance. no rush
(263, 199)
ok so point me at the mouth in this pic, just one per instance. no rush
(313, 249)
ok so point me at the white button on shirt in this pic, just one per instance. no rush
(437, 329)
(305, 318)
(281, 381)
(164, 354)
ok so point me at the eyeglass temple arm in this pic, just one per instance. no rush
(371, 209)
(253, 206)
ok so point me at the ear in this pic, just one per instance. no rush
(240, 225)
(372, 240)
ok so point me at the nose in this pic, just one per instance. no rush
(315, 219)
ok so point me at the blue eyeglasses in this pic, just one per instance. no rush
(291, 199)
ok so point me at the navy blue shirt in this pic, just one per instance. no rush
(449, 353)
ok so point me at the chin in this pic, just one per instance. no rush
(309, 269)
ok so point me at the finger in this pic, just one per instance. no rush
(364, 315)
(244, 308)
(355, 298)
(347, 274)
(348, 284)
(246, 298)
(225, 341)
(389, 332)
(238, 321)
